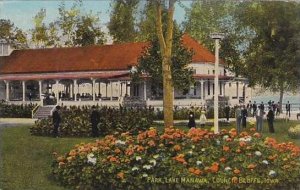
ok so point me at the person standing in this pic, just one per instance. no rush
(254, 108)
(56, 120)
(259, 119)
(227, 112)
(244, 116)
(262, 106)
(278, 109)
(202, 119)
(95, 119)
(270, 119)
(288, 109)
(192, 122)
(238, 117)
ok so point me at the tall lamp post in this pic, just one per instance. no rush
(217, 37)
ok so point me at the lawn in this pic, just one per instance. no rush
(26, 160)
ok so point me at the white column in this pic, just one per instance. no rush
(93, 88)
(40, 90)
(111, 91)
(145, 90)
(23, 91)
(56, 91)
(216, 81)
(75, 91)
(7, 90)
(202, 89)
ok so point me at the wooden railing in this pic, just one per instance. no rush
(33, 111)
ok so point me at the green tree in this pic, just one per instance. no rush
(87, 32)
(272, 59)
(39, 32)
(205, 17)
(122, 20)
(67, 21)
(150, 63)
(9, 32)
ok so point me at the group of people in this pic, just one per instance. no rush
(94, 118)
(192, 122)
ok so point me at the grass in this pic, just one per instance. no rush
(25, 160)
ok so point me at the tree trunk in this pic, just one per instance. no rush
(165, 43)
(280, 99)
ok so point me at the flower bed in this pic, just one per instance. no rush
(294, 132)
(16, 111)
(76, 121)
(180, 160)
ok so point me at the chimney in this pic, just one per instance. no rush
(6, 47)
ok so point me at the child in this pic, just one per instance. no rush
(202, 119)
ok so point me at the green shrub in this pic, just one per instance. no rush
(180, 160)
(183, 113)
(16, 111)
(76, 121)
(294, 132)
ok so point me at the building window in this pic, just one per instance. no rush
(136, 90)
(213, 71)
(213, 88)
(208, 71)
(220, 85)
(195, 89)
(230, 84)
(208, 87)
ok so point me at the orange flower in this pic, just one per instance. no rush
(236, 171)
(151, 143)
(151, 133)
(140, 148)
(257, 135)
(233, 133)
(242, 143)
(238, 150)
(222, 159)
(214, 168)
(117, 151)
(129, 151)
(251, 166)
(180, 158)
(120, 175)
(113, 159)
(192, 170)
(177, 147)
(198, 172)
(272, 157)
(60, 159)
(252, 129)
(228, 139)
(226, 148)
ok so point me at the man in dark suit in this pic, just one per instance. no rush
(288, 109)
(270, 118)
(227, 112)
(56, 120)
(95, 119)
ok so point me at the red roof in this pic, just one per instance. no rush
(91, 58)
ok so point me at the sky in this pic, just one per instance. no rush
(21, 12)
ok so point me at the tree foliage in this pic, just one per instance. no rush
(272, 59)
(122, 21)
(150, 64)
(205, 17)
(8, 31)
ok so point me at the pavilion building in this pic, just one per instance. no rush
(101, 75)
